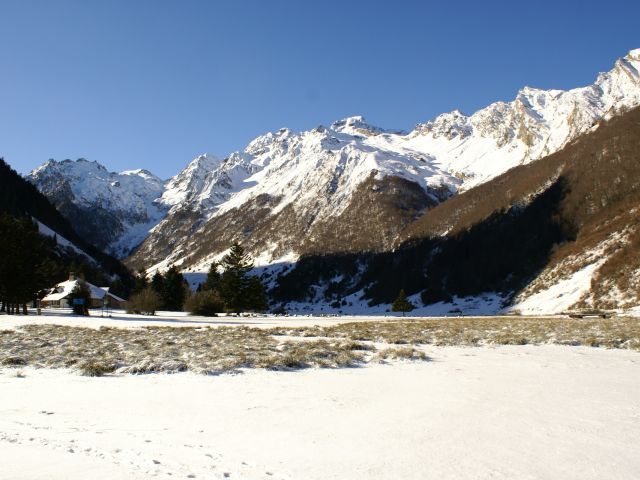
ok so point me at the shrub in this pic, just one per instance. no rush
(146, 302)
(279, 310)
(407, 353)
(13, 361)
(207, 303)
(94, 368)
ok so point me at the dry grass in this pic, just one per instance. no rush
(405, 353)
(617, 332)
(227, 349)
(96, 368)
(165, 349)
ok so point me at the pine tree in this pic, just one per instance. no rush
(233, 283)
(24, 265)
(80, 298)
(157, 283)
(141, 282)
(237, 260)
(402, 303)
(174, 292)
(255, 296)
(213, 278)
(231, 287)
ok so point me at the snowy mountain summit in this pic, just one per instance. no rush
(347, 187)
(535, 124)
(112, 210)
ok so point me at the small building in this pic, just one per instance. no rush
(58, 296)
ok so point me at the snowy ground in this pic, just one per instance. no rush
(526, 412)
(479, 407)
(118, 318)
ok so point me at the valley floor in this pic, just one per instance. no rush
(119, 318)
(535, 412)
(446, 398)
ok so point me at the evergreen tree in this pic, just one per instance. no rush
(237, 260)
(231, 289)
(157, 283)
(402, 303)
(24, 265)
(175, 290)
(234, 282)
(255, 296)
(213, 278)
(141, 282)
(238, 290)
(80, 298)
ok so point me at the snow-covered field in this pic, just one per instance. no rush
(473, 402)
(525, 412)
(119, 318)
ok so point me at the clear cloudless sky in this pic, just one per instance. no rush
(153, 83)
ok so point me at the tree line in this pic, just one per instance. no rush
(229, 287)
(31, 263)
(25, 266)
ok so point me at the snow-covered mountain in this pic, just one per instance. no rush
(290, 193)
(287, 193)
(114, 211)
(347, 187)
(547, 237)
(535, 124)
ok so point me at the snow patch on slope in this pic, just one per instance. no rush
(561, 296)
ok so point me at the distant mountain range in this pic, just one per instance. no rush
(355, 190)
(113, 211)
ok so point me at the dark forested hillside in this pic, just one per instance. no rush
(501, 235)
(21, 200)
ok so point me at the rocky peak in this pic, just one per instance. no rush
(259, 145)
(449, 125)
(355, 125)
(189, 180)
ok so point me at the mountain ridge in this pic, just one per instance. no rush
(307, 182)
(547, 237)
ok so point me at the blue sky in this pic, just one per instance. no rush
(151, 84)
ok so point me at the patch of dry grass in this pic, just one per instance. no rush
(167, 349)
(228, 349)
(96, 368)
(617, 332)
(404, 353)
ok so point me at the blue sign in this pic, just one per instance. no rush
(78, 301)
